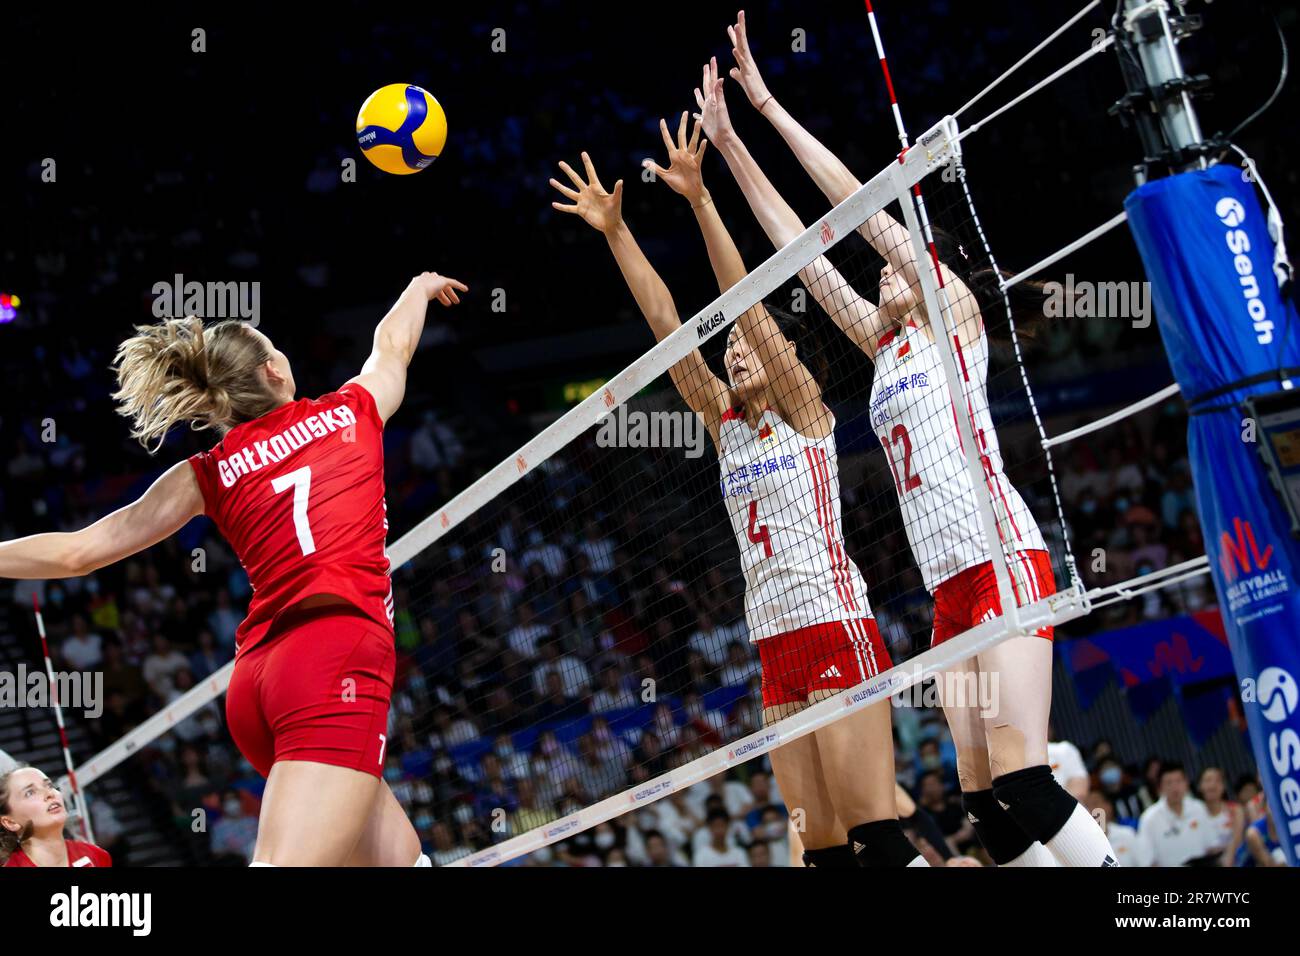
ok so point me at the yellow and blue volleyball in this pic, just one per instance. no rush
(401, 128)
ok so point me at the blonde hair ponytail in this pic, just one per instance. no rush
(178, 371)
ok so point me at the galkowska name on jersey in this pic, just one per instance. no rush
(253, 457)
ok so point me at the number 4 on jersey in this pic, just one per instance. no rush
(300, 481)
(758, 532)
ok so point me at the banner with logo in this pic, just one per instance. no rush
(1205, 243)
(1187, 650)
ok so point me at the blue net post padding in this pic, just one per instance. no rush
(1228, 330)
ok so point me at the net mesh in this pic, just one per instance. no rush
(593, 626)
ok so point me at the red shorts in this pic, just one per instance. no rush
(318, 689)
(834, 656)
(971, 597)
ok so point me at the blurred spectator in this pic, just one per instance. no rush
(1176, 827)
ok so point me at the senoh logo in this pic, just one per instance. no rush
(1278, 697)
(1232, 214)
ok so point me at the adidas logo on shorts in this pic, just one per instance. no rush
(832, 671)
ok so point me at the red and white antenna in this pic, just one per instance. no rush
(889, 81)
(82, 808)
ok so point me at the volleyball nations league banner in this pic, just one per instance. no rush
(1205, 242)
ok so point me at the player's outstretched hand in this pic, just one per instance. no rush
(745, 72)
(683, 174)
(442, 288)
(713, 115)
(600, 208)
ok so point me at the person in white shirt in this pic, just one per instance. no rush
(736, 797)
(598, 549)
(549, 555)
(82, 649)
(524, 637)
(1225, 815)
(719, 850)
(1130, 849)
(707, 640)
(613, 695)
(1068, 768)
(574, 675)
(1176, 827)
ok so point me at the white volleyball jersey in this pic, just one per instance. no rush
(782, 491)
(913, 417)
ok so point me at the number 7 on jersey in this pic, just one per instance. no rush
(300, 481)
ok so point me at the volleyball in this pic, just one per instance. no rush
(401, 128)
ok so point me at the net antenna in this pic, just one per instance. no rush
(937, 303)
(82, 807)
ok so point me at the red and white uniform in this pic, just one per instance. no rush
(913, 416)
(79, 854)
(805, 600)
(299, 494)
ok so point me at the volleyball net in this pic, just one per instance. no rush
(577, 622)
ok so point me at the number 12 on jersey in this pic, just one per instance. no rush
(907, 481)
(300, 481)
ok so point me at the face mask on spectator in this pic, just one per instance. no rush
(231, 807)
(1111, 776)
(423, 823)
(605, 839)
(392, 774)
(1121, 505)
(504, 750)
(647, 820)
(464, 813)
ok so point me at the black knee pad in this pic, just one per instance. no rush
(1033, 798)
(1001, 836)
(831, 857)
(881, 843)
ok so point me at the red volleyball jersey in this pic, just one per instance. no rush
(79, 854)
(299, 494)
